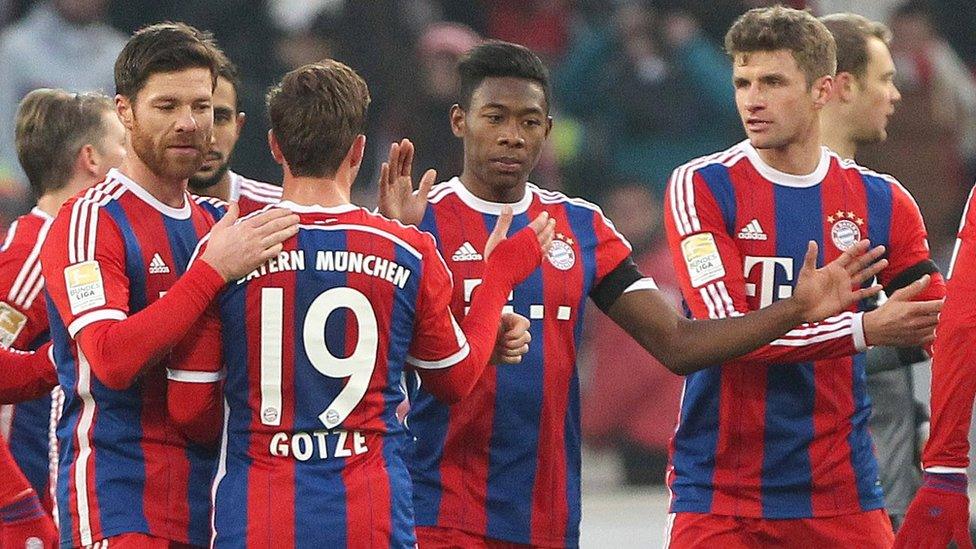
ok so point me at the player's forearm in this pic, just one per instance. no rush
(25, 375)
(692, 345)
(954, 369)
(119, 351)
(480, 327)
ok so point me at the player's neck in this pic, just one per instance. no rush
(221, 189)
(834, 134)
(51, 202)
(168, 191)
(490, 193)
(798, 158)
(314, 191)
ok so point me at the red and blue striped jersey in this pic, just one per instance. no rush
(252, 195)
(315, 344)
(781, 432)
(504, 462)
(124, 466)
(23, 325)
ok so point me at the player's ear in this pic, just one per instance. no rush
(123, 108)
(241, 118)
(275, 148)
(88, 160)
(843, 87)
(457, 120)
(356, 152)
(821, 90)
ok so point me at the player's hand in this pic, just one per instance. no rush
(235, 249)
(26, 524)
(397, 199)
(901, 322)
(938, 514)
(515, 258)
(833, 288)
(512, 341)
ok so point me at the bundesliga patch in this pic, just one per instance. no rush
(845, 229)
(12, 322)
(84, 284)
(702, 259)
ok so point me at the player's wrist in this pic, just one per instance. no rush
(25, 507)
(955, 483)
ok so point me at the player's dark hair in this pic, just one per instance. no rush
(51, 126)
(317, 111)
(851, 32)
(161, 48)
(497, 59)
(778, 28)
(227, 70)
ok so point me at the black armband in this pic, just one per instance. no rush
(910, 275)
(606, 293)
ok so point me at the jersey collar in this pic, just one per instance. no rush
(788, 179)
(486, 207)
(182, 212)
(304, 208)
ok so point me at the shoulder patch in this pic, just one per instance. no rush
(702, 259)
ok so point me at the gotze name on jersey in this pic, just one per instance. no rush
(335, 260)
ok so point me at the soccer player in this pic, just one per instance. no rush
(316, 340)
(864, 96)
(503, 465)
(24, 522)
(66, 142)
(773, 448)
(940, 511)
(215, 178)
(115, 267)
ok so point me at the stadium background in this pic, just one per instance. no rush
(639, 87)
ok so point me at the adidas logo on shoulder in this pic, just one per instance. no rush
(466, 253)
(157, 265)
(752, 231)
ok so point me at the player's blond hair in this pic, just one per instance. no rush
(51, 127)
(778, 28)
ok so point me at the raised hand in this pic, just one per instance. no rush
(514, 259)
(398, 200)
(512, 341)
(235, 249)
(939, 513)
(901, 322)
(834, 287)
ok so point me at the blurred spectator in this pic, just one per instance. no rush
(540, 25)
(650, 91)
(59, 44)
(428, 122)
(631, 401)
(932, 136)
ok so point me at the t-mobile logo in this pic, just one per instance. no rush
(767, 278)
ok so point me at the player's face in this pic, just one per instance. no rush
(171, 122)
(111, 148)
(503, 130)
(875, 95)
(226, 130)
(775, 103)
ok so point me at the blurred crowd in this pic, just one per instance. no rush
(640, 86)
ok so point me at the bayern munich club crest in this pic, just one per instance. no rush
(845, 229)
(561, 254)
